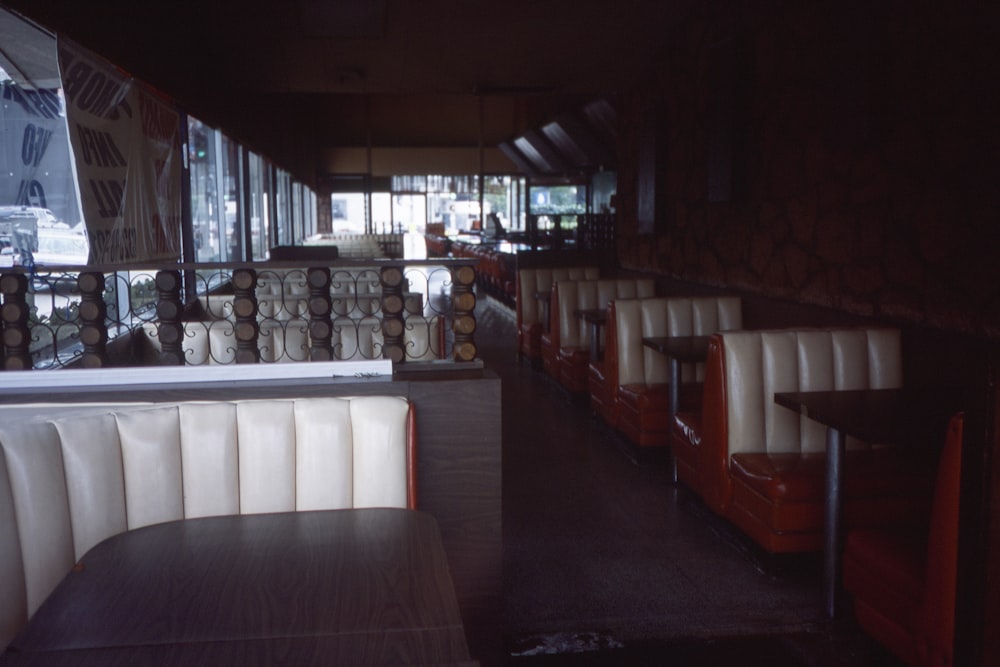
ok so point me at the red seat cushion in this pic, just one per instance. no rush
(790, 476)
(887, 565)
(574, 363)
(875, 473)
(884, 571)
(786, 492)
(531, 340)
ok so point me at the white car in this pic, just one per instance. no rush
(59, 246)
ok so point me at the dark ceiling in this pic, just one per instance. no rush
(390, 72)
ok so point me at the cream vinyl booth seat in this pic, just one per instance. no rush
(763, 466)
(530, 313)
(68, 483)
(631, 390)
(566, 346)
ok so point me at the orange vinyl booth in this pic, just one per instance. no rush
(903, 580)
(532, 314)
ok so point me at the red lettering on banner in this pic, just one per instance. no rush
(113, 245)
(158, 122)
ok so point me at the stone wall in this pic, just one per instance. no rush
(864, 146)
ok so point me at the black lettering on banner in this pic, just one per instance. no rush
(44, 103)
(50, 103)
(92, 91)
(85, 144)
(98, 148)
(31, 193)
(75, 78)
(66, 58)
(99, 95)
(109, 151)
(109, 195)
(33, 144)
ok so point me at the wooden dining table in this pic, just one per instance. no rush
(678, 350)
(544, 300)
(596, 318)
(342, 587)
(901, 417)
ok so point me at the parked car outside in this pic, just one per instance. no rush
(60, 245)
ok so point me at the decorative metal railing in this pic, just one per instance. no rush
(274, 312)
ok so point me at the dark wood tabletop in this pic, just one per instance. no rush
(906, 417)
(882, 416)
(597, 316)
(364, 586)
(681, 348)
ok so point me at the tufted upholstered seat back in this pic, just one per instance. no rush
(633, 392)
(574, 295)
(530, 314)
(530, 281)
(667, 316)
(744, 370)
(762, 466)
(759, 364)
(66, 484)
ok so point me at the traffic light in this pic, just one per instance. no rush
(199, 147)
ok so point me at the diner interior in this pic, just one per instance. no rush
(694, 306)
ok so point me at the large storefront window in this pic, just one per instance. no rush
(38, 189)
(557, 204)
(257, 206)
(409, 212)
(410, 203)
(216, 176)
(348, 212)
(232, 176)
(453, 201)
(206, 218)
(283, 208)
(381, 210)
(503, 196)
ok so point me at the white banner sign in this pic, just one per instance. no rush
(127, 145)
(35, 153)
